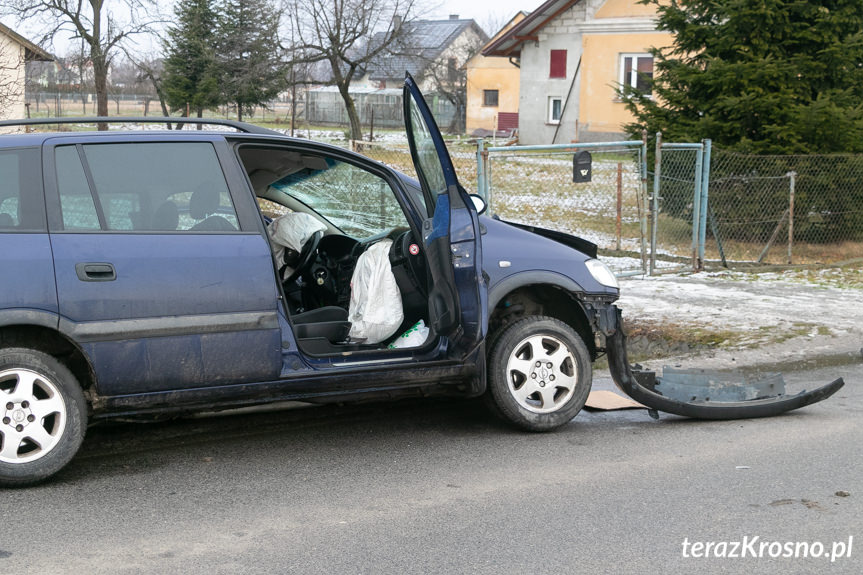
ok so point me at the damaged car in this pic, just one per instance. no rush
(165, 272)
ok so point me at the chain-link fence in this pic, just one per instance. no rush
(785, 209)
(535, 186)
(397, 155)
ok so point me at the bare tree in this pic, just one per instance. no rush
(151, 70)
(448, 75)
(124, 80)
(348, 35)
(77, 74)
(96, 23)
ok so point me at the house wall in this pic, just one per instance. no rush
(536, 88)
(490, 74)
(624, 9)
(598, 32)
(11, 79)
(602, 114)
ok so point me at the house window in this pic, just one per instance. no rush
(489, 98)
(555, 107)
(558, 64)
(636, 71)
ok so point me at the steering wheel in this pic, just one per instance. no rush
(307, 256)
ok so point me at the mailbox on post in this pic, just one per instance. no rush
(581, 167)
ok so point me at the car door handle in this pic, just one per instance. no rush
(95, 272)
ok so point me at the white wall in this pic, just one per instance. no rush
(11, 79)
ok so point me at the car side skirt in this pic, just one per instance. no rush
(380, 382)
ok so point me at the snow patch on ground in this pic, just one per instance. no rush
(771, 318)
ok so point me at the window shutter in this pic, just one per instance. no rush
(558, 64)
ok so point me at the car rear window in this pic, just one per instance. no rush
(22, 207)
(158, 186)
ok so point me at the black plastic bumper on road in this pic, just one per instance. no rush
(626, 380)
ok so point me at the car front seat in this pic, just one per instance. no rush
(330, 323)
(203, 204)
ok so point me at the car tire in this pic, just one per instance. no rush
(43, 416)
(539, 373)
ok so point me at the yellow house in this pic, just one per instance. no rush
(608, 46)
(492, 90)
(15, 52)
(573, 56)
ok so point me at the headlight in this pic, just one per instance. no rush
(601, 273)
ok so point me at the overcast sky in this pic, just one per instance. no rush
(490, 14)
(485, 12)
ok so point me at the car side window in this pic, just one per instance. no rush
(76, 200)
(145, 186)
(21, 204)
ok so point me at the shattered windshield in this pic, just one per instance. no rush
(356, 201)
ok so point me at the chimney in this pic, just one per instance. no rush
(453, 16)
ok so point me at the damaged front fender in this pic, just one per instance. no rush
(644, 387)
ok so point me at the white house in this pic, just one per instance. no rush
(15, 52)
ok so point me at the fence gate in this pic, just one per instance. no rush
(678, 205)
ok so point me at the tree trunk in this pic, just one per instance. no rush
(350, 107)
(100, 79)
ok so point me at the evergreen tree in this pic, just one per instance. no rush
(763, 76)
(249, 60)
(191, 77)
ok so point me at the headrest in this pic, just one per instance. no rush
(167, 216)
(204, 202)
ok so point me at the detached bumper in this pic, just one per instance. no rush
(679, 399)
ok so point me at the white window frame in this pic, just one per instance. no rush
(550, 118)
(632, 81)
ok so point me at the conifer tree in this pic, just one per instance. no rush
(191, 76)
(762, 76)
(249, 56)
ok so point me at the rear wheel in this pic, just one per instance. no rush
(42, 416)
(539, 373)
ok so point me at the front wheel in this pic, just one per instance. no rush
(539, 373)
(42, 416)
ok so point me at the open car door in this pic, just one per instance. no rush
(458, 294)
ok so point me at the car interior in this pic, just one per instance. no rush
(356, 209)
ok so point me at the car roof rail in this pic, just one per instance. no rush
(239, 126)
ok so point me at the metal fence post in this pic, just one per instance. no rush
(641, 201)
(705, 189)
(696, 206)
(654, 204)
(791, 185)
(480, 168)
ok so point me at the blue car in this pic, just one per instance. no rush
(141, 275)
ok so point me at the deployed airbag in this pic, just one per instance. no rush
(375, 309)
(292, 231)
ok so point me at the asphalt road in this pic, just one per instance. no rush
(441, 487)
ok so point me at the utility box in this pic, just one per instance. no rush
(581, 167)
